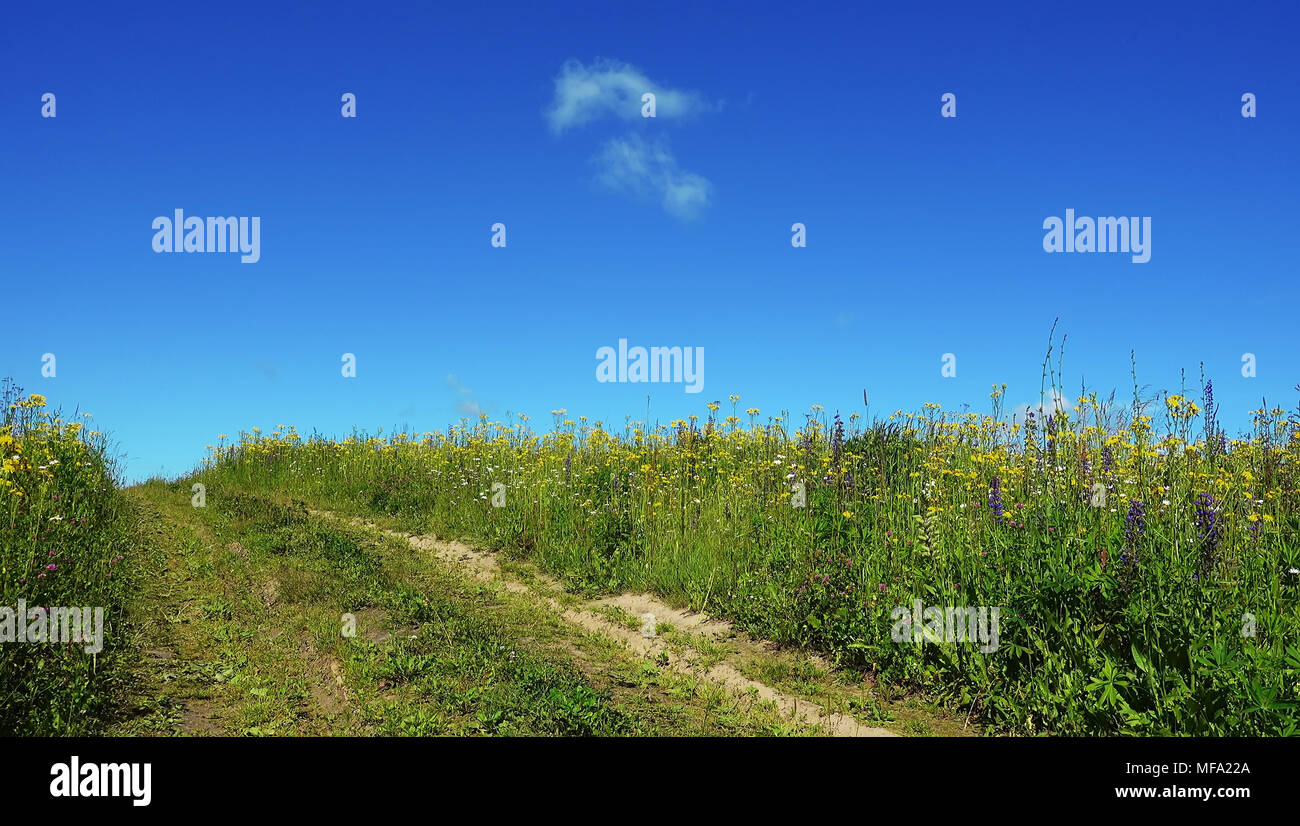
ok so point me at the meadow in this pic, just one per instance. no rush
(1145, 564)
(67, 538)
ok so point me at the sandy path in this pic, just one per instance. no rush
(588, 616)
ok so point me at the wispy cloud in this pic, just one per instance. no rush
(466, 404)
(610, 88)
(644, 169)
(1049, 406)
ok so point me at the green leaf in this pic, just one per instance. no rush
(1142, 662)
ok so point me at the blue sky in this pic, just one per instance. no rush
(924, 234)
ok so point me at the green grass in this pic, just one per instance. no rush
(241, 632)
(67, 539)
(1146, 569)
(1141, 561)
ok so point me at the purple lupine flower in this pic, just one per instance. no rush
(1107, 459)
(837, 441)
(1135, 522)
(995, 497)
(1209, 530)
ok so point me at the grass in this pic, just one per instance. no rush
(1145, 566)
(251, 616)
(66, 541)
(242, 632)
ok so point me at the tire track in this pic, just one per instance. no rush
(588, 616)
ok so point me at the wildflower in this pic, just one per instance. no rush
(995, 497)
(1209, 529)
(1134, 527)
(837, 441)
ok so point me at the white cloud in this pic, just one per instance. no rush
(608, 87)
(467, 404)
(1053, 402)
(632, 165)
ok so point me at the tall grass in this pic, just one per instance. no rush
(1146, 566)
(65, 541)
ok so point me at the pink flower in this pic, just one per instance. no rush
(50, 567)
